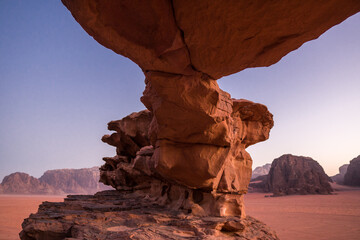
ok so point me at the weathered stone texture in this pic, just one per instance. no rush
(214, 37)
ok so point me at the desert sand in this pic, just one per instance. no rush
(302, 217)
(15, 208)
(294, 217)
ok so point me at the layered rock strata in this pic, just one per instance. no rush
(352, 176)
(297, 175)
(125, 215)
(206, 169)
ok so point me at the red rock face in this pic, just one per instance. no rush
(193, 140)
(216, 38)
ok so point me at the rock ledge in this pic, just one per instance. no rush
(127, 215)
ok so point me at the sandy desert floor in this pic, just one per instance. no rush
(292, 217)
(13, 210)
(320, 217)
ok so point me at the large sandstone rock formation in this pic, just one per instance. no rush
(339, 178)
(352, 176)
(297, 175)
(261, 171)
(188, 151)
(22, 183)
(56, 182)
(202, 170)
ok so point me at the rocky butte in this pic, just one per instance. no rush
(181, 167)
(291, 174)
(352, 176)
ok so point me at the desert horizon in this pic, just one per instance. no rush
(295, 217)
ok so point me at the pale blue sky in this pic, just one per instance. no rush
(59, 88)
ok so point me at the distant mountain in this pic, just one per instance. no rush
(55, 182)
(261, 171)
(84, 180)
(339, 178)
(352, 176)
(23, 183)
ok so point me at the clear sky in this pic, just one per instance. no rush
(59, 88)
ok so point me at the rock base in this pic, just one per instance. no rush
(127, 215)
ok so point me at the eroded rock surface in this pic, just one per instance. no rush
(204, 169)
(125, 215)
(352, 176)
(216, 38)
(297, 175)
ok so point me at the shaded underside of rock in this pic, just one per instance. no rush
(297, 175)
(216, 38)
(121, 215)
(352, 176)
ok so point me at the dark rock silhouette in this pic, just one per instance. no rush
(339, 178)
(352, 176)
(297, 175)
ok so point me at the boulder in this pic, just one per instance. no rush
(297, 175)
(352, 176)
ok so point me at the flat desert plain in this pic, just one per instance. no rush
(320, 217)
(295, 217)
(13, 210)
